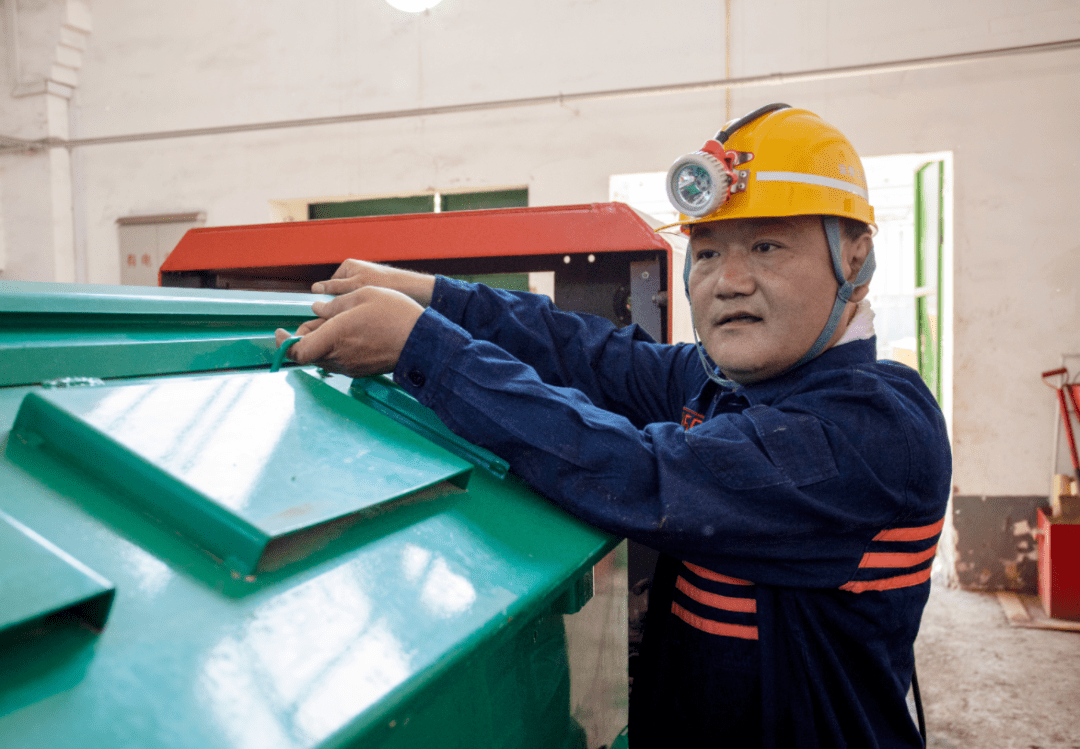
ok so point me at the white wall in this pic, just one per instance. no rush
(41, 45)
(1009, 123)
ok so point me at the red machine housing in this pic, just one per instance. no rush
(606, 258)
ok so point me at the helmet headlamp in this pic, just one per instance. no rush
(701, 182)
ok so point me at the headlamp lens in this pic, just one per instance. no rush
(693, 187)
(698, 183)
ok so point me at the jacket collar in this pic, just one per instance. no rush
(838, 357)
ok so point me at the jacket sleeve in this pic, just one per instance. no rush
(783, 496)
(617, 369)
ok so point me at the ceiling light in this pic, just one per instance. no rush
(413, 6)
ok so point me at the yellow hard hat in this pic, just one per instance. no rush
(775, 161)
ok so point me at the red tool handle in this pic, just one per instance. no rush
(1072, 390)
(1069, 431)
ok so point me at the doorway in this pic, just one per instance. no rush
(911, 293)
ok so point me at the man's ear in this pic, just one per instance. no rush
(855, 253)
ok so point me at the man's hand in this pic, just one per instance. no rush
(357, 274)
(358, 334)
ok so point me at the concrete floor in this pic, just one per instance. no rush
(988, 685)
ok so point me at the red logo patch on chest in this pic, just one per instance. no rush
(690, 418)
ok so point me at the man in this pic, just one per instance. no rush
(794, 486)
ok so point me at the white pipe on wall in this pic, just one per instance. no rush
(13, 144)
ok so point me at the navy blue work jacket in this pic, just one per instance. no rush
(797, 518)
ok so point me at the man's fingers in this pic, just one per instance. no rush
(309, 326)
(354, 275)
(337, 285)
(342, 303)
(314, 345)
(348, 268)
(295, 351)
(362, 333)
(351, 274)
(281, 335)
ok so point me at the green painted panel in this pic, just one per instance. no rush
(52, 331)
(508, 281)
(386, 397)
(104, 355)
(434, 624)
(38, 579)
(467, 201)
(426, 626)
(473, 201)
(222, 459)
(373, 207)
(25, 297)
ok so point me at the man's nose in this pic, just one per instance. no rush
(734, 276)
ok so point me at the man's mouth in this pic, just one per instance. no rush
(736, 318)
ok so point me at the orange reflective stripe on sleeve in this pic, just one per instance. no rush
(888, 583)
(896, 559)
(906, 551)
(911, 534)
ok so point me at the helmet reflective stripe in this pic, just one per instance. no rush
(812, 179)
(795, 165)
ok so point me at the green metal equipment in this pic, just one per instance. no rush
(198, 552)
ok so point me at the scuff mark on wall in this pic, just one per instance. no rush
(995, 542)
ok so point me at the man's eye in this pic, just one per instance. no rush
(764, 247)
(706, 254)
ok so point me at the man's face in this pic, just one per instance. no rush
(761, 291)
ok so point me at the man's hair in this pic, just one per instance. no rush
(852, 228)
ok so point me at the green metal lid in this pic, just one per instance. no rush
(38, 580)
(251, 466)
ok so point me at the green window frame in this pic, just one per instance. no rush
(429, 203)
(929, 271)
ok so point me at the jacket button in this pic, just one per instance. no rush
(416, 377)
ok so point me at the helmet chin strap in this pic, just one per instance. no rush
(843, 296)
(710, 371)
